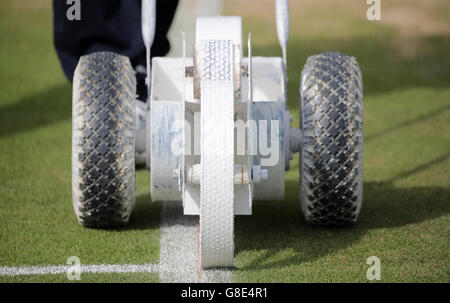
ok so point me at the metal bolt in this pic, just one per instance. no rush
(259, 174)
(176, 173)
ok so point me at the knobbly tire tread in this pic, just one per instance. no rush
(103, 121)
(331, 162)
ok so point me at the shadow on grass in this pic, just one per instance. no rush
(383, 68)
(279, 226)
(407, 123)
(45, 108)
(146, 214)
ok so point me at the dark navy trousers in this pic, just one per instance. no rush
(109, 25)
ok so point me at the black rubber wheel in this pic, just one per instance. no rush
(103, 131)
(331, 162)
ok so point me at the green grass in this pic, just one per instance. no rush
(85, 278)
(405, 218)
(38, 226)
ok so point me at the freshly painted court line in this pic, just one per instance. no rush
(178, 255)
(62, 269)
(178, 248)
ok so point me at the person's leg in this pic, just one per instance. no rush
(109, 25)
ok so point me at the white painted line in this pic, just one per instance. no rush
(62, 269)
(178, 249)
(178, 255)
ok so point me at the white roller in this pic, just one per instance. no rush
(217, 153)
